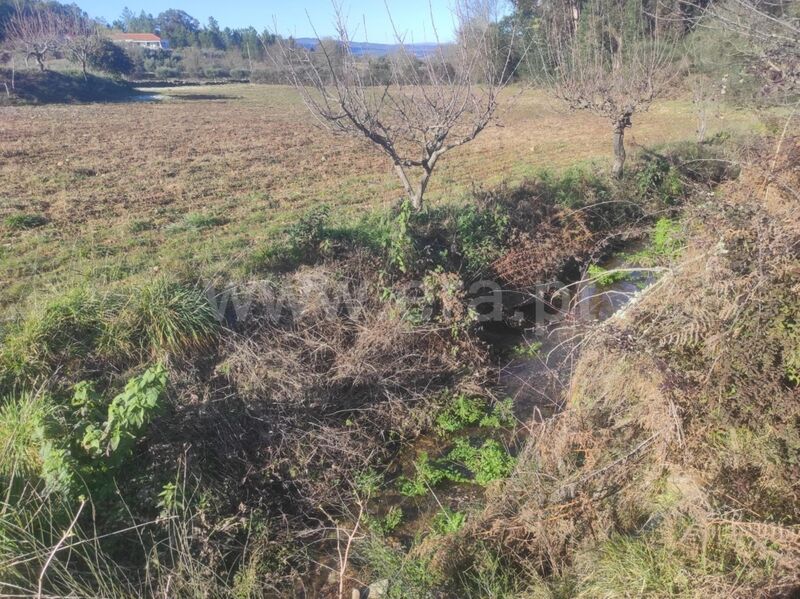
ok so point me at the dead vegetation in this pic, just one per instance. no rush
(673, 469)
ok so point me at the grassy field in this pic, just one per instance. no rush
(194, 182)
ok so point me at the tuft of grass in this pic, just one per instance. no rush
(22, 422)
(21, 222)
(140, 226)
(171, 317)
(62, 330)
(624, 563)
(83, 325)
(408, 575)
(199, 221)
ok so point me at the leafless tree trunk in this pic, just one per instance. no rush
(37, 32)
(428, 107)
(81, 40)
(612, 59)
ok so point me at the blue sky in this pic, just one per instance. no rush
(412, 17)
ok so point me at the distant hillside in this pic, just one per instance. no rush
(366, 48)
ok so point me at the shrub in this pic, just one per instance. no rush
(111, 58)
(240, 74)
(575, 187)
(656, 178)
(481, 235)
(25, 221)
(168, 72)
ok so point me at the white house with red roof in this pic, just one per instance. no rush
(143, 40)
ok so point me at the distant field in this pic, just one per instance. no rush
(194, 182)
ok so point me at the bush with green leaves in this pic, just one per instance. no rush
(481, 235)
(656, 178)
(111, 58)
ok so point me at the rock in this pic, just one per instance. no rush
(378, 589)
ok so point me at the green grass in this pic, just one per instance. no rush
(22, 422)
(625, 563)
(25, 221)
(172, 317)
(128, 325)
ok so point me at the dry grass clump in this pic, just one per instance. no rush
(673, 469)
(324, 384)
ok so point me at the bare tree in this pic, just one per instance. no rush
(773, 28)
(423, 109)
(612, 58)
(36, 32)
(81, 40)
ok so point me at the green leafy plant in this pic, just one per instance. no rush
(463, 411)
(666, 243)
(386, 525)
(309, 230)
(657, 178)
(428, 474)
(481, 235)
(528, 350)
(447, 521)
(400, 245)
(128, 413)
(501, 415)
(488, 463)
(604, 277)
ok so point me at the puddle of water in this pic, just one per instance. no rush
(537, 383)
(149, 98)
